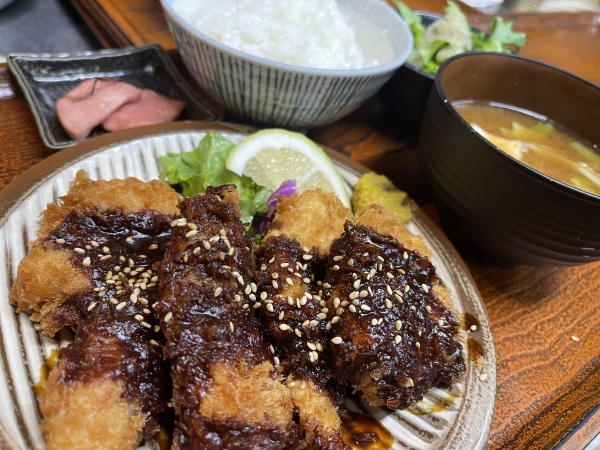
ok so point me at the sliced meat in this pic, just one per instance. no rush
(91, 103)
(150, 109)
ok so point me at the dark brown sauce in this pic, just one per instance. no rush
(470, 320)
(364, 432)
(45, 369)
(475, 349)
(427, 331)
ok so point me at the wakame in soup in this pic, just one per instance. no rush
(543, 146)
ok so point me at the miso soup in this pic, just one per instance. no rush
(542, 145)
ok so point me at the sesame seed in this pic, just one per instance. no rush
(380, 321)
(398, 339)
(218, 291)
(231, 252)
(315, 356)
(153, 247)
(113, 300)
(425, 288)
(405, 255)
(130, 238)
(326, 285)
(143, 301)
(406, 288)
(205, 244)
(256, 305)
(335, 319)
(101, 293)
(321, 316)
(281, 314)
(91, 306)
(311, 345)
(363, 293)
(575, 339)
(231, 327)
(248, 290)
(380, 267)
(168, 316)
(306, 257)
(105, 257)
(313, 323)
(156, 328)
(351, 262)
(483, 377)
(146, 311)
(153, 342)
(344, 304)
(60, 241)
(337, 258)
(356, 284)
(289, 281)
(275, 275)
(339, 311)
(325, 310)
(105, 249)
(336, 340)
(120, 306)
(389, 275)
(275, 285)
(365, 307)
(418, 345)
(271, 260)
(441, 322)
(388, 304)
(373, 322)
(413, 308)
(352, 308)
(353, 295)
(138, 317)
(336, 302)
(240, 280)
(270, 307)
(303, 300)
(86, 261)
(79, 250)
(284, 327)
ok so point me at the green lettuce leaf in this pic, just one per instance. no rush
(501, 37)
(206, 166)
(412, 20)
(428, 52)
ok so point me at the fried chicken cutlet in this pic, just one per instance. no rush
(292, 311)
(394, 336)
(226, 392)
(91, 269)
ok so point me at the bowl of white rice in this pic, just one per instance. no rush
(292, 64)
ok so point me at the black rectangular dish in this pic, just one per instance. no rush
(45, 78)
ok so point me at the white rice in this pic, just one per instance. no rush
(308, 33)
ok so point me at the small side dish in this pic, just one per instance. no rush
(451, 35)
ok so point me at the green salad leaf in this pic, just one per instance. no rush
(451, 35)
(206, 166)
(500, 39)
(412, 20)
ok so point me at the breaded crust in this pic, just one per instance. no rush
(52, 272)
(226, 393)
(314, 219)
(77, 416)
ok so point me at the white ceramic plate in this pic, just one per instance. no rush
(461, 423)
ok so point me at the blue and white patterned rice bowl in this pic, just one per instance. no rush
(286, 95)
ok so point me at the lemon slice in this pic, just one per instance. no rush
(273, 156)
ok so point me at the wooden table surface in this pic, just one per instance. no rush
(548, 392)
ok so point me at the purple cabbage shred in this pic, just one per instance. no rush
(261, 222)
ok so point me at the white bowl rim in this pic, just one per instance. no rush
(387, 67)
